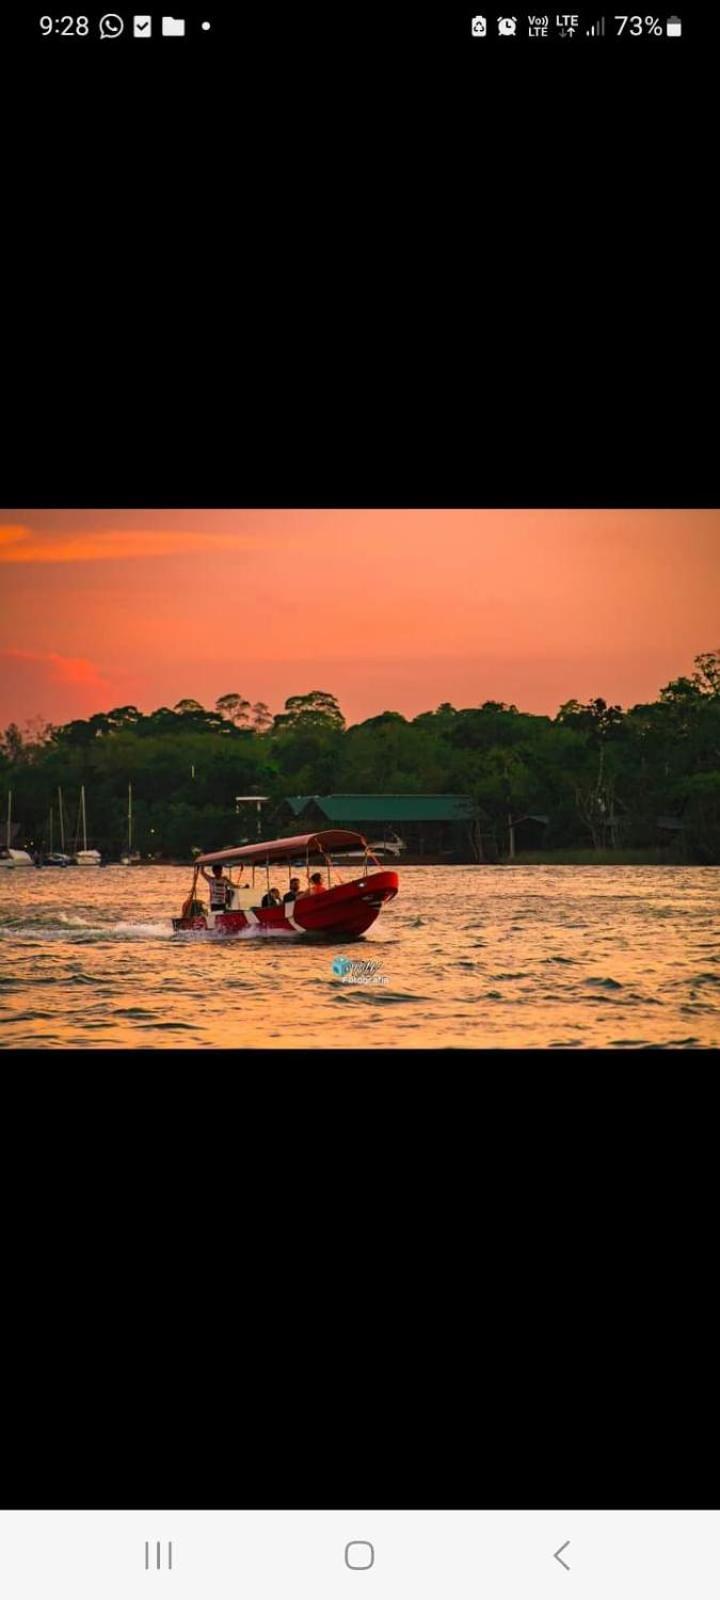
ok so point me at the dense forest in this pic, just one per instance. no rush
(606, 779)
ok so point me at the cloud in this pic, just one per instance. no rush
(19, 544)
(11, 533)
(63, 669)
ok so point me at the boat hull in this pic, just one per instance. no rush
(16, 859)
(343, 912)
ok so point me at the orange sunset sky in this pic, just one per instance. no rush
(388, 610)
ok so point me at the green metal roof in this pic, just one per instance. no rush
(298, 802)
(340, 808)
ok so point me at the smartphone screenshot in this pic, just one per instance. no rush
(359, 802)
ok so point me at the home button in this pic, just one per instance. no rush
(359, 1555)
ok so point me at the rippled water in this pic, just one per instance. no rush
(482, 956)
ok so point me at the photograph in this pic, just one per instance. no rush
(361, 778)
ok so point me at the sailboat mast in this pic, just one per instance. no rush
(51, 826)
(62, 825)
(129, 818)
(84, 821)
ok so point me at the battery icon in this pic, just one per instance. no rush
(674, 27)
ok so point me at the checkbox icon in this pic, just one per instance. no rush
(142, 27)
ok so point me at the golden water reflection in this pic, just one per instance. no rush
(470, 956)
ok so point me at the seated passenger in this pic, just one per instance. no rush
(315, 885)
(271, 898)
(293, 891)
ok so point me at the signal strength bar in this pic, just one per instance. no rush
(597, 30)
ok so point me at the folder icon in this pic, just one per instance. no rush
(173, 27)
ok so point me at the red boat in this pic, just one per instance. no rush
(327, 908)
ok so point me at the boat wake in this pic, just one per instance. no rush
(72, 928)
(80, 930)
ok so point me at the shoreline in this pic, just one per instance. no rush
(548, 858)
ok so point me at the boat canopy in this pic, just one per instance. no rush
(312, 844)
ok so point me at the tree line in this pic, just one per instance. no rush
(602, 775)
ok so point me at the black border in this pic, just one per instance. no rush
(191, 1334)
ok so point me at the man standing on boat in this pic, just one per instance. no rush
(219, 887)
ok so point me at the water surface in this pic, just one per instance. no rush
(526, 956)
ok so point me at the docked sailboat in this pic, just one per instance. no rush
(129, 857)
(85, 857)
(390, 848)
(52, 857)
(8, 856)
